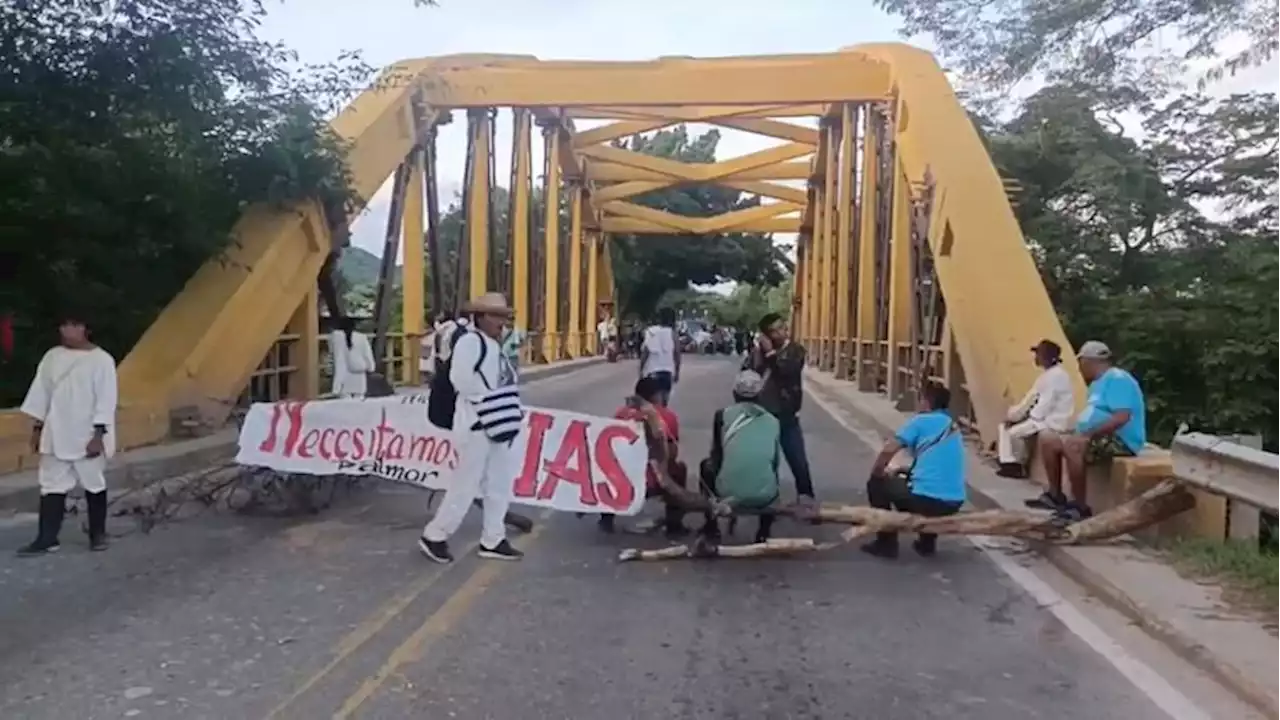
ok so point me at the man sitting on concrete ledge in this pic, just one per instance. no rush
(933, 485)
(1113, 423)
(1047, 406)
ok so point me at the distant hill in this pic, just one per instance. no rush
(360, 267)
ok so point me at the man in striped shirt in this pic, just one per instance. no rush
(487, 418)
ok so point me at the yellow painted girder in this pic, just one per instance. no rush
(612, 172)
(512, 81)
(974, 237)
(701, 112)
(631, 225)
(725, 222)
(758, 126)
(677, 172)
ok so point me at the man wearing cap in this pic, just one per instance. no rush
(1113, 422)
(72, 401)
(745, 453)
(1049, 405)
(487, 419)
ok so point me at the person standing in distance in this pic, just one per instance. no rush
(73, 403)
(660, 354)
(780, 361)
(486, 419)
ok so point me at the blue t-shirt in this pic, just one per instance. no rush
(1110, 392)
(939, 470)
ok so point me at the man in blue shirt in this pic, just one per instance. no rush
(1113, 423)
(934, 484)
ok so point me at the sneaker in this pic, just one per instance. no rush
(435, 551)
(1047, 501)
(36, 549)
(1074, 512)
(98, 544)
(1012, 470)
(501, 551)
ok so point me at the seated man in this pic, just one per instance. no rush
(647, 398)
(1047, 406)
(745, 450)
(1113, 423)
(933, 485)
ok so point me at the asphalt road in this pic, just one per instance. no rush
(337, 615)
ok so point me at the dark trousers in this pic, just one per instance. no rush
(666, 381)
(891, 492)
(791, 438)
(711, 524)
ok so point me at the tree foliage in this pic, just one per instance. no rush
(1118, 46)
(1166, 248)
(134, 133)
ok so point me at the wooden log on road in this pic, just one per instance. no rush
(1156, 505)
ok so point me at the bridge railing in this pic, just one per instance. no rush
(1248, 478)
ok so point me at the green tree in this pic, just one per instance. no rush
(135, 132)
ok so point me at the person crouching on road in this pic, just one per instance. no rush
(486, 419)
(745, 451)
(73, 403)
(647, 398)
(934, 485)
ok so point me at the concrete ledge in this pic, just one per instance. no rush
(1237, 649)
(138, 467)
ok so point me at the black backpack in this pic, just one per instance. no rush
(442, 400)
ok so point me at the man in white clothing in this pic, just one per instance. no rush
(660, 354)
(486, 417)
(73, 403)
(1049, 405)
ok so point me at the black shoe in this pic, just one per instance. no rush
(1012, 470)
(1073, 512)
(52, 508)
(605, 523)
(888, 551)
(36, 549)
(1047, 501)
(98, 543)
(435, 551)
(501, 551)
(925, 548)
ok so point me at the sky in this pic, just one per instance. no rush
(385, 31)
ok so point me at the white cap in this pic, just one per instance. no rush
(748, 384)
(1094, 350)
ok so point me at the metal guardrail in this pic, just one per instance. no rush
(1247, 477)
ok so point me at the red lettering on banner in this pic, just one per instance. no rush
(308, 445)
(326, 443)
(338, 450)
(443, 451)
(357, 443)
(616, 491)
(572, 450)
(280, 411)
(526, 485)
(395, 447)
(381, 436)
(422, 448)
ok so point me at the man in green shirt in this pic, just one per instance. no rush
(745, 450)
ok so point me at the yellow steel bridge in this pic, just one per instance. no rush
(910, 262)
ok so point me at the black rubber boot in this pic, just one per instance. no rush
(97, 503)
(52, 507)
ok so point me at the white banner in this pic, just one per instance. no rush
(561, 460)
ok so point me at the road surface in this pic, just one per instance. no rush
(338, 615)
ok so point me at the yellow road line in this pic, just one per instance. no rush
(437, 625)
(365, 631)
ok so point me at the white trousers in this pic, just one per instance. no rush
(479, 474)
(1011, 440)
(61, 476)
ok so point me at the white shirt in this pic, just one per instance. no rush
(73, 391)
(471, 385)
(1050, 402)
(661, 343)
